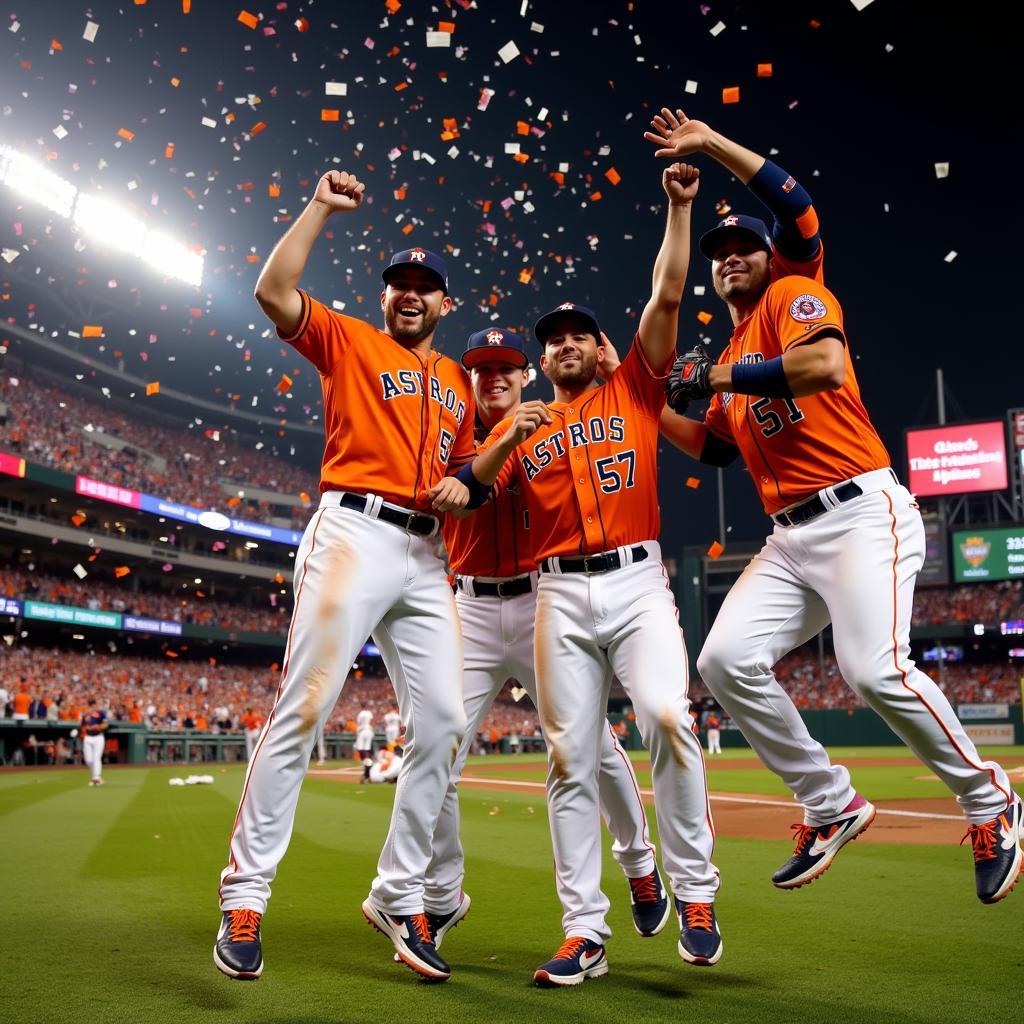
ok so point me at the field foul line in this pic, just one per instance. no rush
(725, 798)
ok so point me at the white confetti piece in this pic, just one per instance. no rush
(690, 87)
(861, 4)
(60, 131)
(208, 122)
(536, 26)
(511, 147)
(453, 152)
(508, 52)
(950, 256)
(942, 170)
(699, 289)
(439, 39)
(14, 26)
(9, 255)
(91, 28)
(335, 88)
(79, 571)
(717, 28)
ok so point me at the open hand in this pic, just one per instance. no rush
(676, 134)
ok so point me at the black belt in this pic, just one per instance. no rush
(594, 563)
(815, 506)
(414, 522)
(502, 588)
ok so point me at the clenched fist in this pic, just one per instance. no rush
(339, 191)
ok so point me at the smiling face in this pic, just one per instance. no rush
(413, 302)
(497, 388)
(740, 271)
(571, 355)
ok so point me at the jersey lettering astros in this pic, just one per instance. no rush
(794, 447)
(496, 541)
(590, 477)
(395, 422)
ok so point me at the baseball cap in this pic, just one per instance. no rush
(567, 310)
(736, 225)
(418, 257)
(494, 343)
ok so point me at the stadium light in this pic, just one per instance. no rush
(102, 219)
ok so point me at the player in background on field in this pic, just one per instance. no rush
(364, 741)
(94, 725)
(398, 421)
(587, 467)
(848, 541)
(491, 554)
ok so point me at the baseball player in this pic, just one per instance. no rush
(491, 553)
(253, 724)
(364, 741)
(713, 724)
(398, 420)
(587, 467)
(392, 726)
(386, 766)
(848, 541)
(94, 724)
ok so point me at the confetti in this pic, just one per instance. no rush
(717, 28)
(153, 388)
(715, 551)
(92, 331)
(693, 482)
(335, 88)
(80, 571)
(247, 19)
(284, 385)
(690, 87)
(942, 170)
(121, 571)
(731, 94)
(764, 71)
(951, 255)
(91, 28)
(436, 39)
(508, 52)
(705, 318)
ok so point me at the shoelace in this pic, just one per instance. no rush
(243, 925)
(645, 890)
(570, 948)
(422, 927)
(983, 840)
(804, 835)
(699, 915)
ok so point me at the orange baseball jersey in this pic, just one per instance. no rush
(590, 478)
(781, 266)
(493, 542)
(395, 422)
(794, 447)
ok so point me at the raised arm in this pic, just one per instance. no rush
(660, 318)
(794, 220)
(276, 292)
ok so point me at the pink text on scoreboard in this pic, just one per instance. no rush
(108, 492)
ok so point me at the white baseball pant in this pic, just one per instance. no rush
(587, 628)
(497, 639)
(714, 741)
(356, 575)
(92, 754)
(252, 737)
(855, 566)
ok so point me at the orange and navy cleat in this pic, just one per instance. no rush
(700, 942)
(413, 942)
(442, 923)
(998, 859)
(650, 904)
(576, 960)
(238, 952)
(817, 845)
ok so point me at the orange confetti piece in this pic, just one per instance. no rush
(302, 24)
(186, 6)
(693, 482)
(273, 190)
(400, 193)
(330, 115)
(257, 128)
(92, 331)
(716, 550)
(559, 178)
(393, 6)
(522, 128)
(705, 318)
(153, 388)
(401, 86)
(525, 275)
(731, 94)
(613, 175)
(304, 497)
(124, 133)
(121, 570)
(169, 150)
(446, 26)
(247, 19)
(55, 44)
(175, 82)
(252, 258)
(233, 501)
(284, 385)
(521, 158)
(595, 197)
(407, 230)
(764, 71)
(78, 519)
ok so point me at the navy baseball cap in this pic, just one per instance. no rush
(566, 311)
(418, 257)
(493, 343)
(736, 225)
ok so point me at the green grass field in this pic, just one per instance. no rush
(110, 914)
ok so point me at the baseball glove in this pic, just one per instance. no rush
(688, 379)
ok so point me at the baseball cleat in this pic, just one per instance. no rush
(441, 923)
(576, 960)
(237, 952)
(651, 908)
(817, 845)
(700, 942)
(998, 859)
(413, 942)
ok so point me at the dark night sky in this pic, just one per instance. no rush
(861, 127)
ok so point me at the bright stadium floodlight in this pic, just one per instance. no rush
(100, 218)
(172, 258)
(30, 179)
(107, 222)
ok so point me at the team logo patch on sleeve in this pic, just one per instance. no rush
(806, 308)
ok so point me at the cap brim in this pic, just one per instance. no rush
(711, 241)
(542, 328)
(494, 354)
(388, 272)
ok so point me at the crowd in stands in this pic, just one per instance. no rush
(51, 426)
(175, 694)
(974, 602)
(189, 608)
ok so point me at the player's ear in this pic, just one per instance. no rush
(446, 305)
(383, 299)
(544, 362)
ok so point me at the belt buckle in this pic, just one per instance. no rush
(500, 584)
(586, 565)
